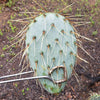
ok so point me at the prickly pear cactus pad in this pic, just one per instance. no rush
(50, 42)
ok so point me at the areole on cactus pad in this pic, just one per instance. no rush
(51, 43)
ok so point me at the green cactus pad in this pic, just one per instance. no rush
(51, 42)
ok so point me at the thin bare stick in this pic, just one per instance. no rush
(79, 40)
(78, 56)
(19, 34)
(80, 24)
(16, 42)
(75, 74)
(25, 51)
(69, 15)
(25, 68)
(24, 18)
(22, 56)
(26, 22)
(22, 44)
(35, 13)
(74, 15)
(76, 33)
(23, 65)
(65, 7)
(85, 51)
(81, 58)
(83, 67)
(14, 57)
(75, 19)
(66, 14)
(83, 22)
(39, 5)
(29, 13)
(85, 37)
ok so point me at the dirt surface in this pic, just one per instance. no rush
(30, 90)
